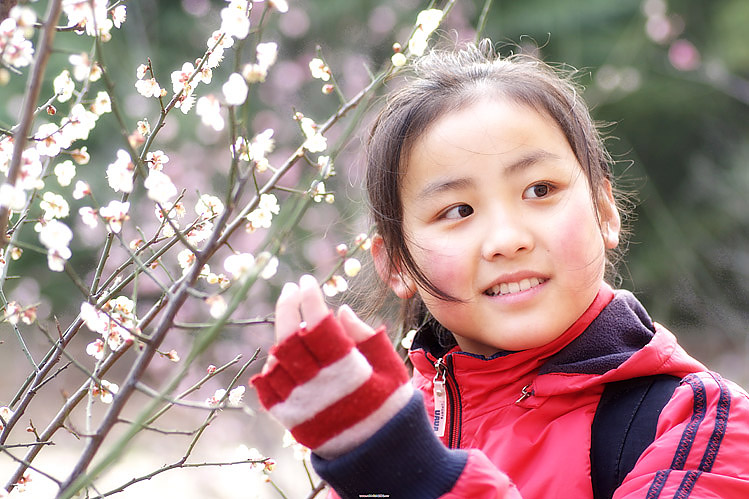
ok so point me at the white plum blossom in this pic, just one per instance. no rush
(5, 414)
(96, 349)
(182, 76)
(82, 189)
(262, 216)
(235, 19)
(220, 41)
(261, 145)
(217, 305)
(89, 216)
(102, 104)
(271, 267)
(320, 194)
(235, 90)
(56, 258)
(15, 313)
(56, 237)
(159, 186)
(156, 159)
(351, 267)
(95, 320)
(148, 87)
(83, 68)
(25, 18)
(208, 108)
(319, 69)
(280, 5)
(49, 140)
(300, 452)
(12, 197)
(6, 153)
(239, 264)
(63, 86)
(115, 321)
(185, 259)
(15, 49)
(208, 206)
(398, 59)
(115, 214)
(105, 391)
(81, 155)
(426, 22)
(54, 234)
(235, 396)
(65, 172)
(334, 285)
(120, 173)
(119, 15)
(200, 232)
(54, 206)
(30, 174)
(78, 124)
(315, 142)
(267, 53)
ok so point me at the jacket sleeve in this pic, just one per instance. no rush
(701, 444)
(406, 459)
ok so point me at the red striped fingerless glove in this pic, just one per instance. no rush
(330, 393)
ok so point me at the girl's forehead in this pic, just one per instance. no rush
(490, 125)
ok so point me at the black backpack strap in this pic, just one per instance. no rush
(623, 426)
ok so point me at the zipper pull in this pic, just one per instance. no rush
(525, 393)
(440, 399)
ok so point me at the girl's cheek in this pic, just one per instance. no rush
(443, 267)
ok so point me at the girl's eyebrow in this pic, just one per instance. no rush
(525, 161)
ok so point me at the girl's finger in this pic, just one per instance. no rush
(288, 316)
(269, 363)
(357, 329)
(314, 308)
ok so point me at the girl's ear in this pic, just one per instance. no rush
(402, 285)
(611, 222)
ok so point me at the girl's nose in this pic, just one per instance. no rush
(506, 235)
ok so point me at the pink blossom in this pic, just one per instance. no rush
(684, 56)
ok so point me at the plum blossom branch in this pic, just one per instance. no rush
(44, 49)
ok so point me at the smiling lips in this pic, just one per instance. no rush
(507, 288)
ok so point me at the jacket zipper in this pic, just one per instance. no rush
(446, 406)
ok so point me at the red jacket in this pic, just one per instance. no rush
(525, 420)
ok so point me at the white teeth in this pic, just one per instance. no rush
(514, 287)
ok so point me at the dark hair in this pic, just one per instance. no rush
(446, 80)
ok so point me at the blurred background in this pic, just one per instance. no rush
(669, 81)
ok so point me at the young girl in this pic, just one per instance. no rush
(492, 198)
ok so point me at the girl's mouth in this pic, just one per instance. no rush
(507, 288)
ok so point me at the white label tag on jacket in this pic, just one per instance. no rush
(440, 408)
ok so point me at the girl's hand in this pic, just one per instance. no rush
(331, 380)
(303, 306)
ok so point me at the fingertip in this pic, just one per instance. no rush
(308, 281)
(288, 289)
(356, 328)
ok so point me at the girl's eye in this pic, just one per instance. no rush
(458, 212)
(538, 191)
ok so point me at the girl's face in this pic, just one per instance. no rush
(498, 213)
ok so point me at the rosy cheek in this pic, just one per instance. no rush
(578, 241)
(444, 267)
